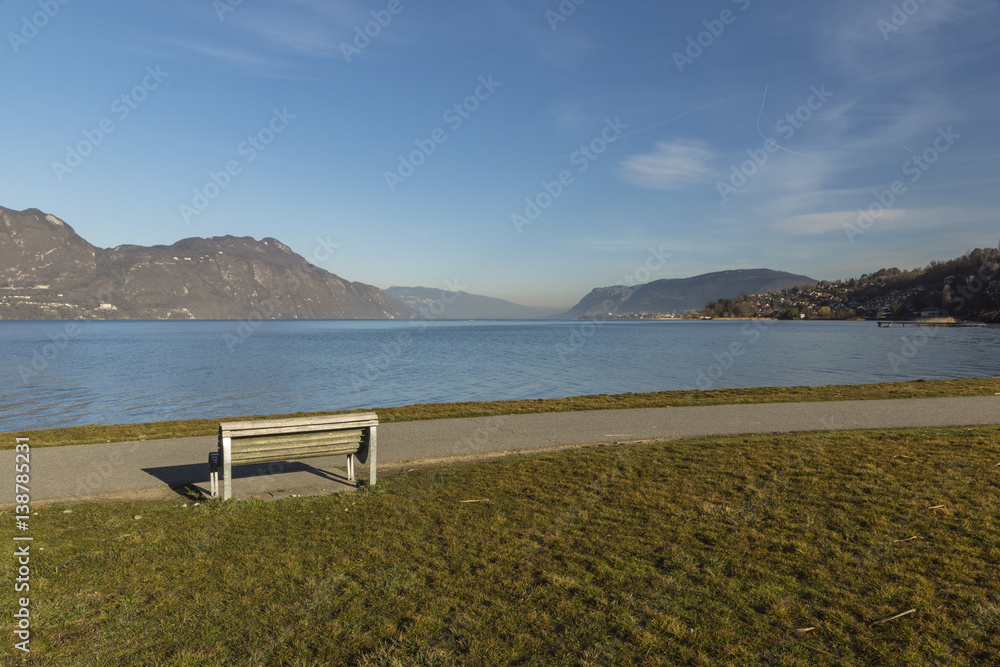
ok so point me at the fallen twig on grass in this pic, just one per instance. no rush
(892, 618)
(818, 650)
(936, 507)
(120, 537)
(804, 629)
(474, 501)
(915, 537)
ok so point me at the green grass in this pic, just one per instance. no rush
(703, 552)
(80, 435)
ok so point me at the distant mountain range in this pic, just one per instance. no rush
(429, 303)
(679, 295)
(48, 271)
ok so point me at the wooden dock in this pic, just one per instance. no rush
(918, 323)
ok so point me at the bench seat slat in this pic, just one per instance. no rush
(291, 454)
(301, 452)
(290, 440)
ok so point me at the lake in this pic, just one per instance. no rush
(70, 373)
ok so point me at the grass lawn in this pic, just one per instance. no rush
(783, 550)
(81, 435)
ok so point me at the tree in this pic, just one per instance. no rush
(898, 308)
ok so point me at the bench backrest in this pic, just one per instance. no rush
(297, 438)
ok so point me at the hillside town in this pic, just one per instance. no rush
(966, 288)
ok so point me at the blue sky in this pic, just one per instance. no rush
(546, 146)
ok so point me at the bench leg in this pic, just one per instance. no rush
(227, 468)
(373, 455)
(213, 473)
(350, 467)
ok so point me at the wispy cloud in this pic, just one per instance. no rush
(310, 29)
(821, 223)
(271, 42)
(240, 57)
(672, 166)
(563, 49)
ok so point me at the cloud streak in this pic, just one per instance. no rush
(672, 166)
(813, 224)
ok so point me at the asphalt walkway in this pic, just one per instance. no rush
(153, 469)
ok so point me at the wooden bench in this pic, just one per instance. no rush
(266, 441)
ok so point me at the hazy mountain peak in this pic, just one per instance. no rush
(431, 303)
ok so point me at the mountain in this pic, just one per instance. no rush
(677, 295)
(48, 271)
(429, 303)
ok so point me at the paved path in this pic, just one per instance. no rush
(149, 469)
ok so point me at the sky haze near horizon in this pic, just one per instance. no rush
(530, 151)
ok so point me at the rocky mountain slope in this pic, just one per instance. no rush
(48, 271)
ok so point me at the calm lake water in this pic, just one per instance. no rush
(69, 373)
